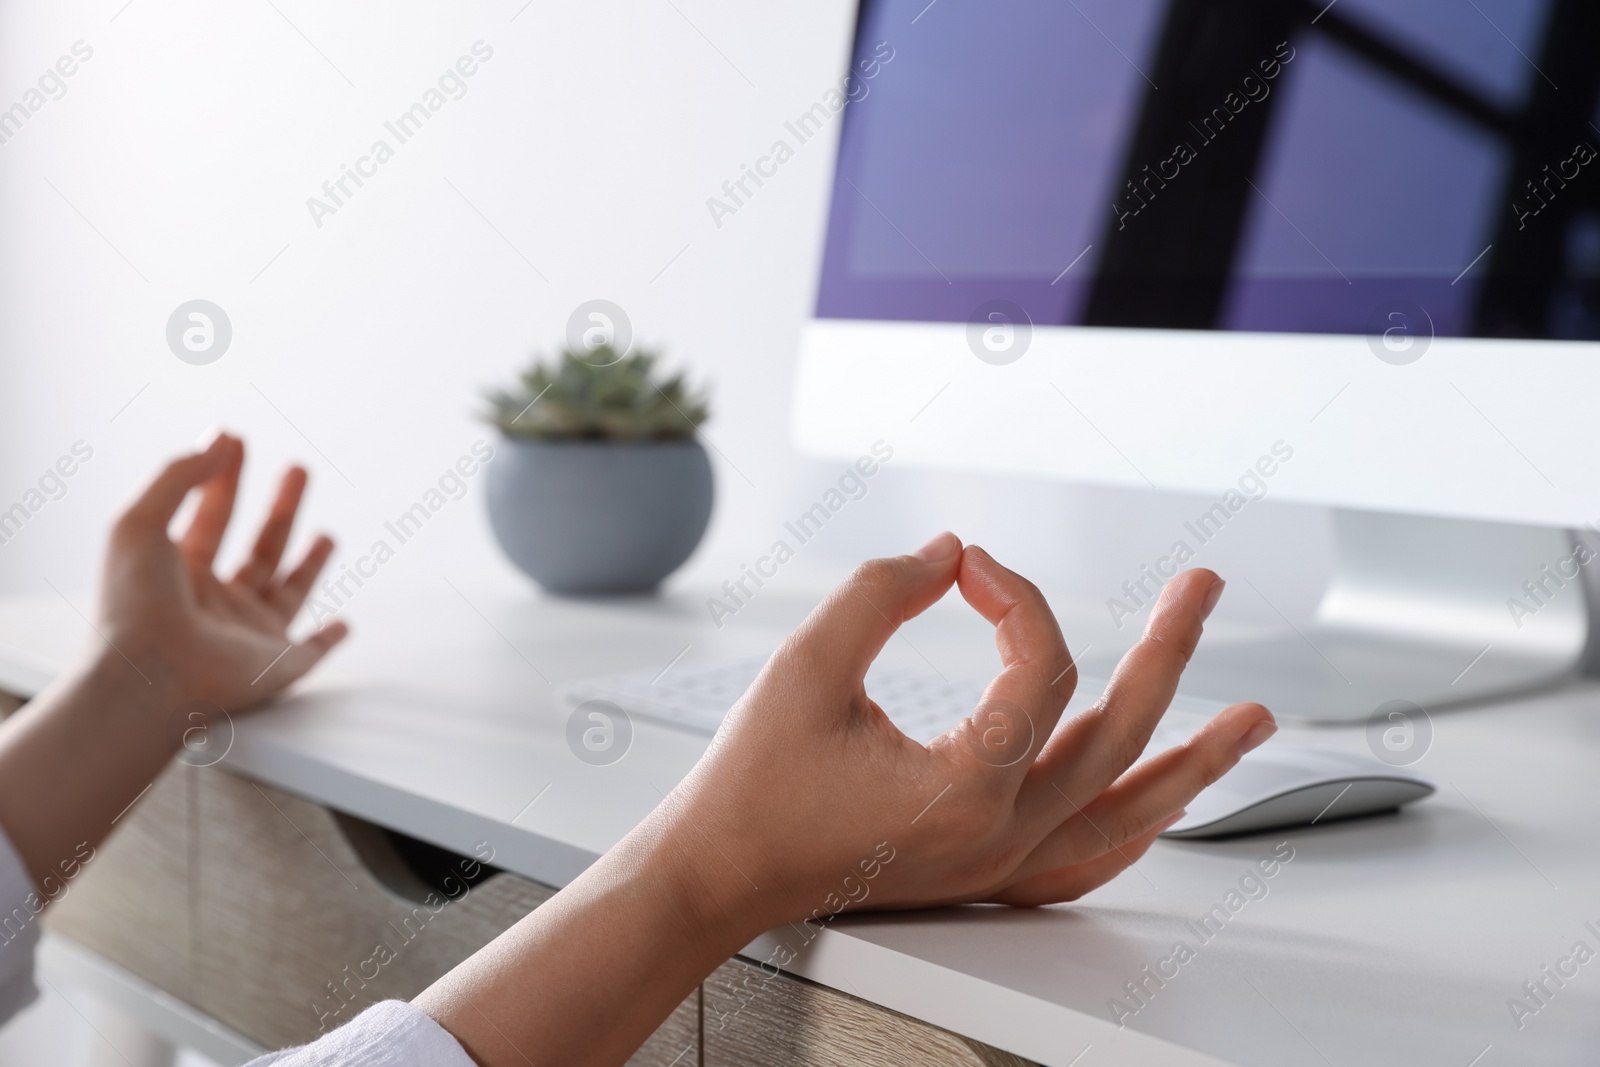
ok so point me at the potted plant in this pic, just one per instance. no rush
(601, 486)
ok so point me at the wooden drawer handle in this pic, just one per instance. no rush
(411, 869)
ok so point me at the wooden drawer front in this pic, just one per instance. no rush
(753, 1020)
(256, 907)
(297, 935)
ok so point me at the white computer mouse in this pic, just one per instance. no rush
(1281, 785)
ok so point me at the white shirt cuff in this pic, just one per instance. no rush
(20, 906)
(388, 1034)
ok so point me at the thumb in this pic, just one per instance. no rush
(160, 500)
(845, 633)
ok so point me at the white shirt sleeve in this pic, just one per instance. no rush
(388, 1034)
(20, 906)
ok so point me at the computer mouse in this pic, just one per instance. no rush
(1280, 785)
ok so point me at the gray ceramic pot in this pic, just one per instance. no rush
(585, 517)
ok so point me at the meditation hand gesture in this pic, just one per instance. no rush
(809, 780)
(810, 802)
(174, 644)
(194, 636)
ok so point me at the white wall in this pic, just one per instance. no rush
(178, 165)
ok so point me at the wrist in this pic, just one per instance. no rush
(707, 891)
(132, 684)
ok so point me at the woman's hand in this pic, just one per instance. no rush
(174, 644)
(200, 638)
(809, 788)
(810, 802)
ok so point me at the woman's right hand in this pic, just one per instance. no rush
(810, 801)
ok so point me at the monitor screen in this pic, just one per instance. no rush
(1259, 165)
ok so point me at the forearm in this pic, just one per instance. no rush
(591, 974)
(75, 757)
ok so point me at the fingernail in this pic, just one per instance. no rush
(941, 548)
(1256, 735)
(1214, 594)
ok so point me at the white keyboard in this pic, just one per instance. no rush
(919, 702)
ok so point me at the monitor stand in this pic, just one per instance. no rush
(1419, 610)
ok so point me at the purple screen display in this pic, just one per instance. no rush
(1222, 164)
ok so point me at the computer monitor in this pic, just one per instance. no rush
(1342, 253)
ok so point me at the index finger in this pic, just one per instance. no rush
(161, 499)
(1021, 706)
(210, 523)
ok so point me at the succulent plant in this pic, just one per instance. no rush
(599, 396)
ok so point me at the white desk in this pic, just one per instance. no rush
(1396, 940)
